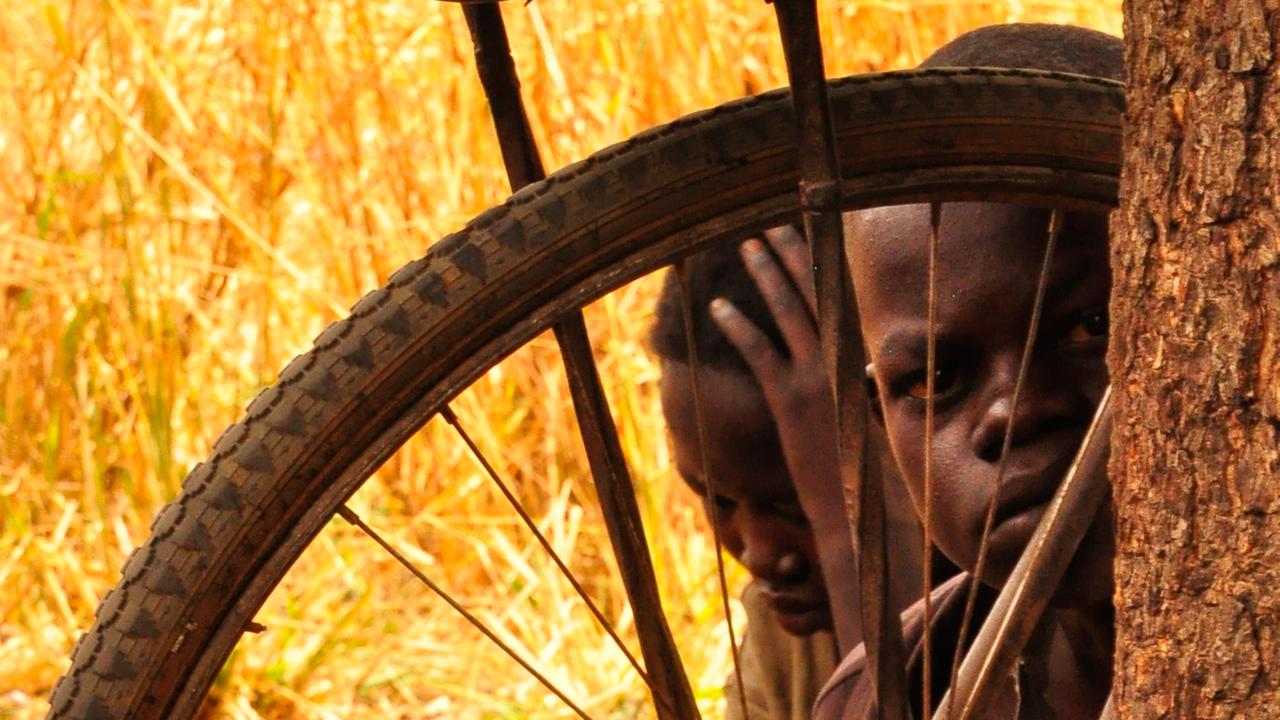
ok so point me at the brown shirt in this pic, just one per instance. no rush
(781, 673)
(849, 694)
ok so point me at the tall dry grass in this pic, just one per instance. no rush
(190, 190)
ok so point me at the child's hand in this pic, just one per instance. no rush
(799, 397)
(796, 388)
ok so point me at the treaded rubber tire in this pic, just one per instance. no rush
(306, 443)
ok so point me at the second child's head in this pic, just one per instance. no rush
(988, 267)
(752, 503)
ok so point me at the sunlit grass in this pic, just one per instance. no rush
(190, 191)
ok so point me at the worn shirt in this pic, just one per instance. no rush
(849, 694)
(781, 673)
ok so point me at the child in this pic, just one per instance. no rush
(764, 439)
(989, 259)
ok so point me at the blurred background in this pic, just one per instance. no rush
(190, 190)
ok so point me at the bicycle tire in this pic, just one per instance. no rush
(306, 443)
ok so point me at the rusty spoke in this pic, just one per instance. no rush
(931, 370)
(451, 418)
(350, 516)
(668, 684)
(845, 359)
(708, 478)
(1035, 577)
(1042, 283)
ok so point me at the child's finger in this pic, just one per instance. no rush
(754, 346)
(789, 311)
(792, 249)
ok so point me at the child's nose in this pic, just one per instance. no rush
(764, 554)
(731, 540)
(1043, 405)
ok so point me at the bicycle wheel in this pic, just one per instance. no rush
(371, 380)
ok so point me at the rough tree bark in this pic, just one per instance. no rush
(1195, 360)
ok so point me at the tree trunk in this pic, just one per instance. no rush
(1195, 361)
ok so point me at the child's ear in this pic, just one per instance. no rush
(873, 395)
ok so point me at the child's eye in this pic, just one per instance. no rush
(1092, 326)
(790, 512)
(943, 379)
(722, 504)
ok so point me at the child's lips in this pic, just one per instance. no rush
(793, 603)
(798, 615)
(1029, 491)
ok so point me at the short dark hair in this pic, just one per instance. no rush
(1035, 46)
(715, 273)
(719, 272)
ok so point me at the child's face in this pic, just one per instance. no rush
(988, 265)
(754, 507)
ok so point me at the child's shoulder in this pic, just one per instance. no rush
(781, 673)
(848, 694)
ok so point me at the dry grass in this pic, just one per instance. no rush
(190, 191)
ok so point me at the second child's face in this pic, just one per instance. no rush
(753, 502)
(989, 261)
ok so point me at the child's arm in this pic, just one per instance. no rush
(799, 397)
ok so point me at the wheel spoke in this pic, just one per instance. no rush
(931, 370)
(1035, 578)
(845, 359)
(350, 516)
(880, 621)
(670, 686)
(708, 479)
(451, 418)
(1042, 282)
(670, 690)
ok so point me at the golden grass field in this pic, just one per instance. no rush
(191, 190)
